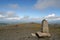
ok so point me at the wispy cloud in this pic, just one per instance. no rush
(10, 6)
(15, 6)
(43, 4)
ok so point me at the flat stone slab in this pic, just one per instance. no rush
(40, 34)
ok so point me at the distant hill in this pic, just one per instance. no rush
(23, 21)
(3, 23)
(54, 22)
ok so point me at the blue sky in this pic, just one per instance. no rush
(21, 9)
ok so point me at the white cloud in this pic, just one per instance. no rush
(36, 18)
(42, 4)
(25, 18)
(10, 13)
(52, 17)
(30, 18)
(1, 16)
(13, 18)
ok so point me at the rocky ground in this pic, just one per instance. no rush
(24, 33)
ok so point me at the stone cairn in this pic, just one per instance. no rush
(44, 32)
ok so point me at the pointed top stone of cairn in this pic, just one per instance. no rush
(44, 27)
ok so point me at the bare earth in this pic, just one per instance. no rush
(24, 33)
